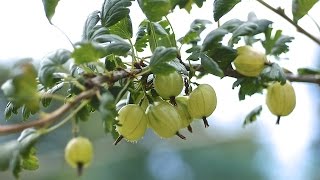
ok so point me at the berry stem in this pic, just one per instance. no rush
(205, 121)
(173, 100)
(278, 120)
(79, 168)
(118, 140)
(180, 136)
(189, 128)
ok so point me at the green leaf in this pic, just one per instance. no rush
(252, 116)
(158, 36)
(210, 66)
(30, 161)
(113, 62)
(47, 100)
(186, 4)
(163, 68)
(193, 35)
(231, 25)
(301, 7)
(6, 153)
(21, 89)
(276, 44)
(17, 155)
(222, 7)
(10, 108)
(83, 114)
(89, 25)
(308, 71)
(122, 28)
(87, 52)
(274, 73)
(160, 58)
(178, 66)
(113, 11)
(248, 86)
(213, 39)
(142, 36)
(223, 55)
(113, 44)
(108, 111)
(53, 64)
(195, 53)
(50, 8)
(155, 9)
(245, 29)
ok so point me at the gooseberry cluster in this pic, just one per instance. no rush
(169, 112)
(280, 98)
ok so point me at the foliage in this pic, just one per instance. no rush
(111, 66)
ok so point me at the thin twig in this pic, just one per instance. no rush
(283, 15)
(49, 118)
(58, 113)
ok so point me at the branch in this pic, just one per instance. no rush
(283, 15)
(230, 72)
(58, 113)
(49, 118)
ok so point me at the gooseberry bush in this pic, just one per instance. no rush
(144, 79)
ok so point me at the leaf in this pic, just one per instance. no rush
(160, 58)
(87, 52)
(222, 7)
(308, 71)
(52, 64)
(21, 89)
(252, 116)
(50, 8)
(113, 44)
(122, 28)
(231, 25)
(108, 111)
(186, 4)
(223, 55)
(155, 9)
(210, 66)
(113, 62)
(274, 73)
(47, 100)
(19, 154)
(193, 35)
(83, 114)
(142, 36)
(213, 39)
(10, 108)
(178, 66)
(89, 25)
(158, 36)
(113, 11)
(276, 44)
(195, 53)
(245, 29)
(301, 7)
(30, 161)
(248, 86)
